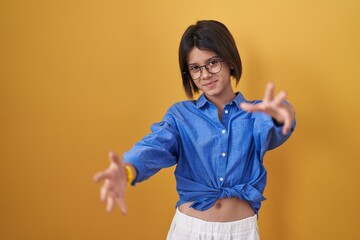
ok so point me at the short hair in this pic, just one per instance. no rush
(213, 36)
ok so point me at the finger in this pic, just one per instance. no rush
(104, 190)
(251, 107)
(288, 125)
(287, 122)
(122, 204)
(110, 203)
(269, 92)
(99, 176)
(280, 98)
(115, 159)
(285, 128)
(118, 164)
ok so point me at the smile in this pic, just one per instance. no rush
(210, 84)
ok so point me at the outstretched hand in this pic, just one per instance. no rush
(113, 190)
(281, 112)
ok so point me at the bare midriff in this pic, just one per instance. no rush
(224, 210)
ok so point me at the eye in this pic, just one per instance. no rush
(213, 62)
(193, 68)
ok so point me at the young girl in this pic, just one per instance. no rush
(217, 142)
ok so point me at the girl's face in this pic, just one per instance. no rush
(213, 85)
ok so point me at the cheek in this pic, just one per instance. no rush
(225, 75)
(228, 71)
(197, 84)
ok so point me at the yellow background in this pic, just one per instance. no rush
(80, 78)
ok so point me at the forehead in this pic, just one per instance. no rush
(198, 56)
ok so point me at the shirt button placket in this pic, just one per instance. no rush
(222, 167)
(224, 146)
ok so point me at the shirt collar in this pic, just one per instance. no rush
(238, 99)
(202, 100)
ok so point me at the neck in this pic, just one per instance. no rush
(221, 101)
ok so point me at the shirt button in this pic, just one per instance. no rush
(221, 179)
(223, 154)
(226, 111)
(223, 131)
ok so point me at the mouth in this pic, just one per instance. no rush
(210, 84)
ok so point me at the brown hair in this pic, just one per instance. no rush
(213, 36)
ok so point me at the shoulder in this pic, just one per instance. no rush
(180, 111)
(182, 106)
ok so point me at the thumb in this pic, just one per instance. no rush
(114, 159)
(117, 163)
(251, 107)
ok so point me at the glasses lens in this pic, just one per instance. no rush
(195, 72)
(214, 66)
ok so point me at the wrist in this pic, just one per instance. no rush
(130, 172)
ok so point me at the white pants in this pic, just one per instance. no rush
(184, 227)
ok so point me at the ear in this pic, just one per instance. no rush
(231, 69)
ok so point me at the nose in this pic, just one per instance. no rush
(205, 74)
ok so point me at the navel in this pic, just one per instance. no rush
(218, 204)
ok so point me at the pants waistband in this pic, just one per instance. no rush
(218, 227)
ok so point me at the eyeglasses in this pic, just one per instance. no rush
(212, 66)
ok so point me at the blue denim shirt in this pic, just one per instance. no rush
(215, 158)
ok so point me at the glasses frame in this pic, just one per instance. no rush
(206, 67)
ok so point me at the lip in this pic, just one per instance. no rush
(210, 84)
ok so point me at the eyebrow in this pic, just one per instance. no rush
(216, 56)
